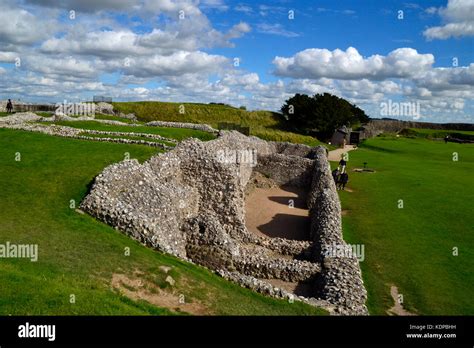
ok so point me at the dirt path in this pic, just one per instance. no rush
(269, 213)
(397, 308)
(335, 155)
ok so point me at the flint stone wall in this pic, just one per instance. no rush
(189, 203)
(195, 126)
(340, 281)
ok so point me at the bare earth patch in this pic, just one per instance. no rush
(139, 289)
(278, 212)
(397, 309)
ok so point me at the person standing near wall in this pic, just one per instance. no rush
(9, 106)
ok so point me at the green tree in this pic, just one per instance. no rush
(321, 114)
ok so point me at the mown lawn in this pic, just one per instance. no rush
(412, 247)
(79, 255)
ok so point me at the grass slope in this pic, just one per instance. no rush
(77, 254)
(264, 124)
(412, 248)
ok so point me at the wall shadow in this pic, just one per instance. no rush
(287, 226)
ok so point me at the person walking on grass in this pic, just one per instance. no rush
(9, 106)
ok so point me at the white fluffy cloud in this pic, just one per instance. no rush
(8, 57)
(350, 64)
(448, 78)
(403, 73)
(450, 30)
(62, 68)
(241, 80)
(21, 27)
(459, 18)
(176, 64)
(275, 29)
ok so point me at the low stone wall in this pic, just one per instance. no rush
(290, 149)
(59, 117)
(286, 170)
(377, 126)
(195, 126)
(340, 281)
(22, 107)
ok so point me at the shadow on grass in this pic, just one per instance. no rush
(379, 148)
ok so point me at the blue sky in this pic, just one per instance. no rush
(371, 28)
(143, 50)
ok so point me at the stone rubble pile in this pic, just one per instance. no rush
(58, 117)
(104, 108)
(20, 118)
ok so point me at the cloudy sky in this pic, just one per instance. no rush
(256, 54)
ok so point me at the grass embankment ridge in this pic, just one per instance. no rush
(263, 124)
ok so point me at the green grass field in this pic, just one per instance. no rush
(412, 247)
(79, 255)
(264, 124)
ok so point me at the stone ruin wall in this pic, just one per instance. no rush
(191, 204)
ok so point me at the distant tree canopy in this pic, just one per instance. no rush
(321, 114)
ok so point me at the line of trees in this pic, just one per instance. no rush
(320, 114)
